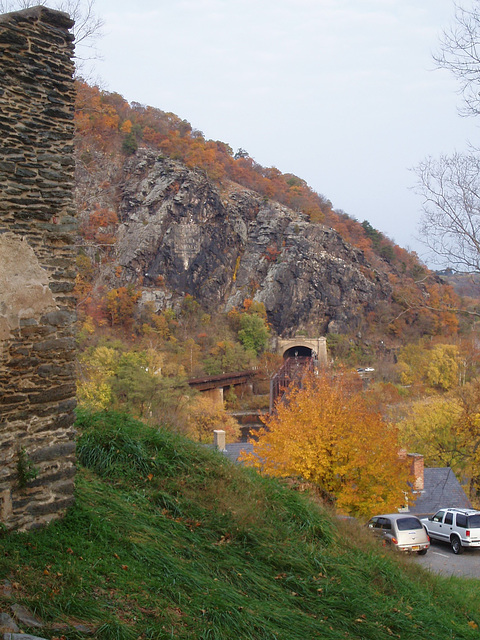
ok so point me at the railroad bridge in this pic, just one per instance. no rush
(295, 350)
(300, 355)
(214, 386)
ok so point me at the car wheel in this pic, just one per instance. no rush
(456, 545)
(422, 552)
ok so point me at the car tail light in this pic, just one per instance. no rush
(467, 533)
(395, 541)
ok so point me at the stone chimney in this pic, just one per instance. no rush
(37, 267)
(219, 439)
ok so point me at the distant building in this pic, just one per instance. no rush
(445, 272)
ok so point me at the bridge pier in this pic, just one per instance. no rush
(216, 395)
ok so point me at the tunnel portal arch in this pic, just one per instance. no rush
(303, 347)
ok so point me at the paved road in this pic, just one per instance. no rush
(441, 559)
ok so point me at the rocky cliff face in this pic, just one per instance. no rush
(181, 234)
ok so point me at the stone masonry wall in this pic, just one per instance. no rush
(37, 267)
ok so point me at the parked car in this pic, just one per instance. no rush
(458, 527)
(403, 530)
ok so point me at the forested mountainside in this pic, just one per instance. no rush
(165, 213)
(466, 285)
(193, 258)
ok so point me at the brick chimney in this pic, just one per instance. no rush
(416, 469)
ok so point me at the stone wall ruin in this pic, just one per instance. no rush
(37, 267)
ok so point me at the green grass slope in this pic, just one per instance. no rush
(170, 540)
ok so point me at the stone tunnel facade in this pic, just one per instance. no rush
(37, 267)
(316, 347)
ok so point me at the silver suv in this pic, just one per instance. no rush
(404, 531)
(458, 527)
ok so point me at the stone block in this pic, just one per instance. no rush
(8, 624)
(53, 452)
(21, 636)
(26, 617)
(39, 509)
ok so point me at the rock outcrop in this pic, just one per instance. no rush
(181, 235)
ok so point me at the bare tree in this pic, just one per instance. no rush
(450, 225)
(460, 54)
(87, 29)
(88, 26)
(450, 186)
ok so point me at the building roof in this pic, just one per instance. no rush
(234, 449)
(441, 489)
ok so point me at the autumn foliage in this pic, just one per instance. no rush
(108, 127)
(326, 434)
(205, 415)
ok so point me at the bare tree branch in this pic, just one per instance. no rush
(450, 224)
(460, 54)
(88, 26)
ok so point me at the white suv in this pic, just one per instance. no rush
(458, 527)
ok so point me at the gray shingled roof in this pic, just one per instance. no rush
(442, 489)
(234, 449)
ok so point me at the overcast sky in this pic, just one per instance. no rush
(342, 93)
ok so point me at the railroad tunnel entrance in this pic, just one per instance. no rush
(315, 348)
(298, 351)
(300, 356)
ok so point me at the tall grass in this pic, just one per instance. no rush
(168, 539)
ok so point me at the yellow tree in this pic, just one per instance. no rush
(443, 367)
(446, 430)
(436, 366)
(468, 429)
(206, 415)
(433, 428)
(326, 433)
(97, 366)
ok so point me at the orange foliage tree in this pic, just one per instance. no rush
(326, 433)
(94, 115)
(121, 305)
(100, 226)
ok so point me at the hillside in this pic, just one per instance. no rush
(466, 285)
(169, 539)
(169, 213)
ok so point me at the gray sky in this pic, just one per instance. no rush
(342, 93)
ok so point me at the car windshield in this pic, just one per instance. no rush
(405, 524)
(474, 521)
